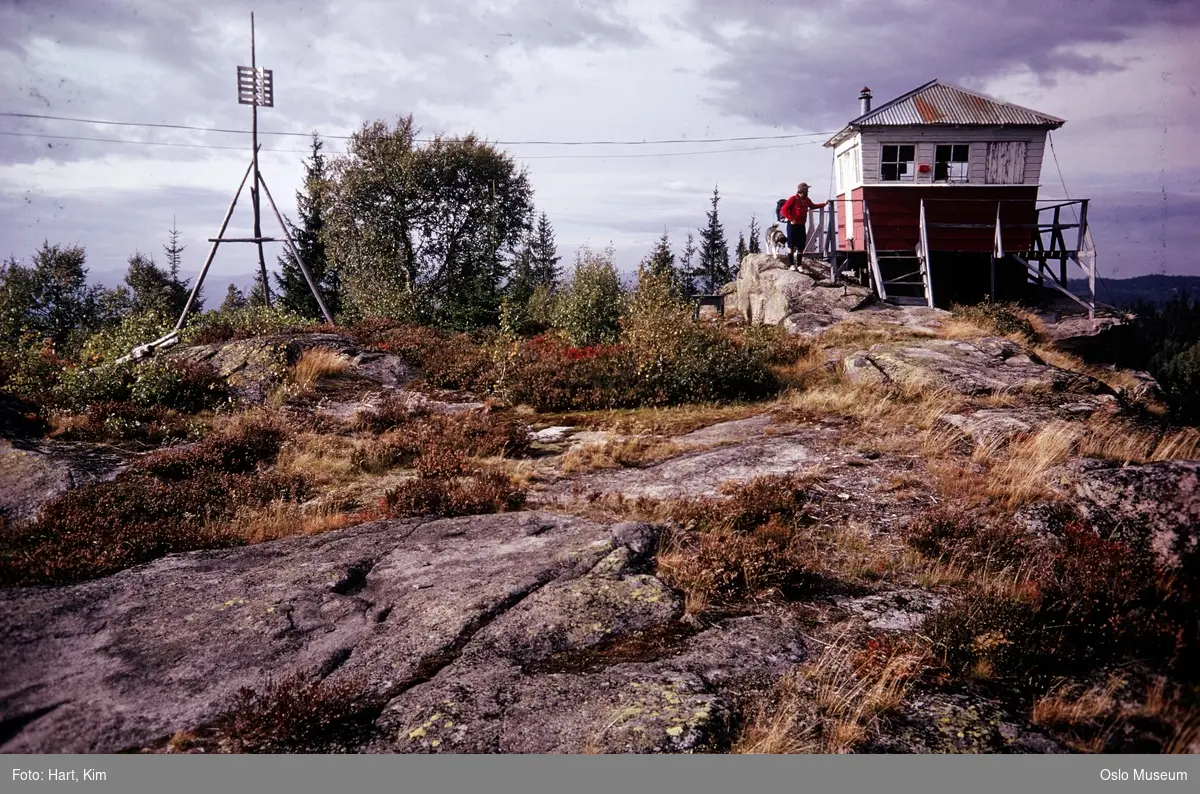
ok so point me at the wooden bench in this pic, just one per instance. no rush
(708, 300)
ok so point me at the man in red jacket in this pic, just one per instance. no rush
(795, 212)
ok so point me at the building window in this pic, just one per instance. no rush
(950, 162)
(898, 163)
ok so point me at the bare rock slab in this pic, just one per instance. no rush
(982, 366)
(122, 661)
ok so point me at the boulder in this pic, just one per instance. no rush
(980, 366)
(770, 294)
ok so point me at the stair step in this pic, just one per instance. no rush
(906, 301)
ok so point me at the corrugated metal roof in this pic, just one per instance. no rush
(942, 103)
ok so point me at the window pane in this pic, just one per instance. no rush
(908, 153)
(889, 154)
(942, 153)
(958, 172)
(905, 170)
(941, 171)
(961, 153)
(888, 172)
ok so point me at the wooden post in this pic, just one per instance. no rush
(213, 251)
(262, 264)
(312, 285)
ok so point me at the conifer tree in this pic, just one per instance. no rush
(713, 270)
(294, 292)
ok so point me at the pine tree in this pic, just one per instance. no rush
(713, 270)
(754, 246)
(234, 300)
(741, 249)
(686, 268)
(294, 292)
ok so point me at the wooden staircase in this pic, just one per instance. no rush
(900, 277)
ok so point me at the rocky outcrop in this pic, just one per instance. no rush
(253, 367)
(34, 472)
(980, 366)
(770, 294)
(1154, 506)
(482, 621)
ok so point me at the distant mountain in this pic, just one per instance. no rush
(1125, 292)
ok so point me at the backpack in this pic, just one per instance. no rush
(779, 210)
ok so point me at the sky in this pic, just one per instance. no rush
(517, 71)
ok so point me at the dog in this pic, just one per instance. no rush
(776, 240)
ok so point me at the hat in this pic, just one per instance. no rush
(801, 186)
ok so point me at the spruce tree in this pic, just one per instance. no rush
(687, 271)
(294, 292)
(754, 246)
(741, 249)
(174, 252)
(154, 290)
(713, 269)
(661, 262)
(544, 254)
(234, 300)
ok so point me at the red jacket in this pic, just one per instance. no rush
(795, 209)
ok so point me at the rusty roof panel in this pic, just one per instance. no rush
(942, 103)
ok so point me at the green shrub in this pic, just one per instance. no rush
(229, 324)
(109, 344)
(81, 386)
(31, 369)
(589, 309)
(185, 386)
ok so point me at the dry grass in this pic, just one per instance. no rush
(619, 453)
(283, 520)
(328, 459)
(834, 704)
(669, 421)
(1088, 717)
(317, 363)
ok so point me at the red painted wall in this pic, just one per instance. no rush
(895, 213)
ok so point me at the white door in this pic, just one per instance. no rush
(1006, 163)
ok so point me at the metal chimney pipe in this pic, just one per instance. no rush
(864, 101)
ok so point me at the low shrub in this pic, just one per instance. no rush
(1087, 601)
(178, 384)
(226, 325)
(101, 528)
(738, 546)
(748, 505)
(122, 421)
(295, 714)
(997, 318)
(236, 452)
(447, 360)
(435, 492)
